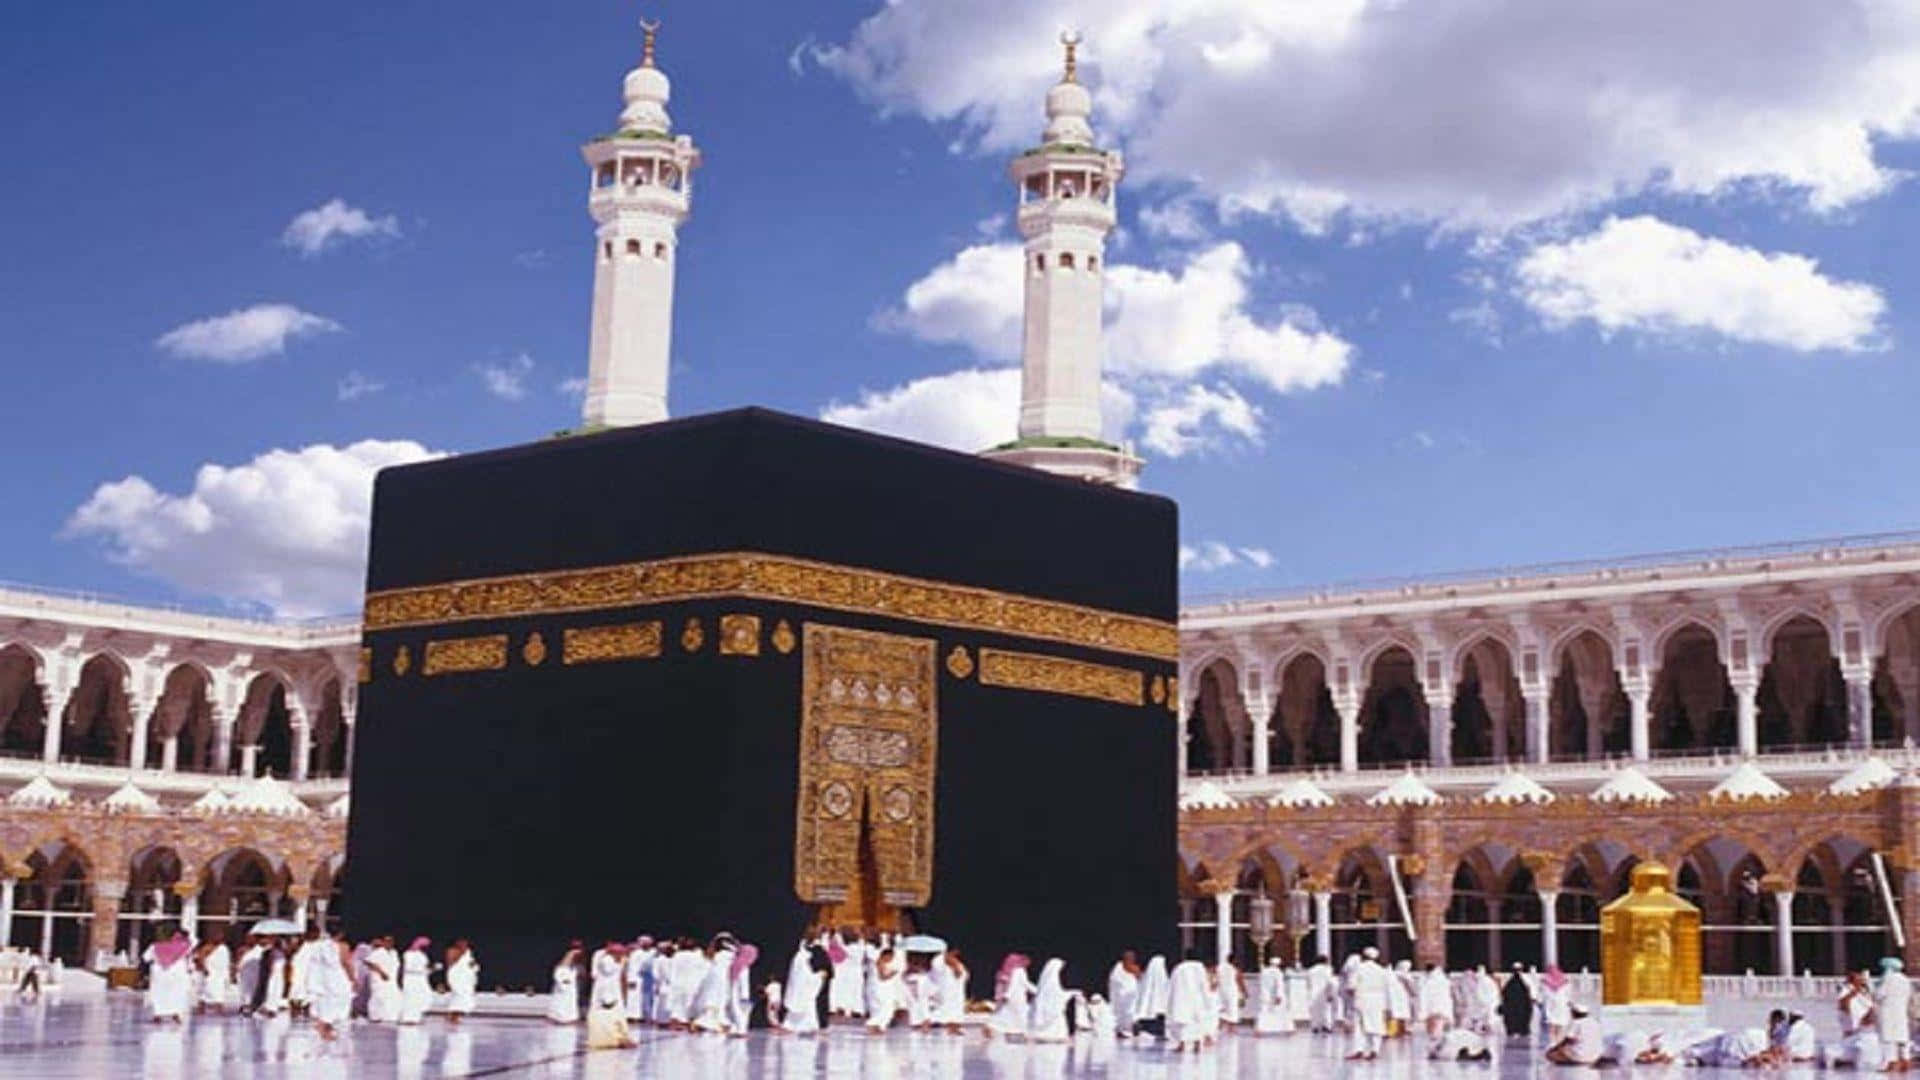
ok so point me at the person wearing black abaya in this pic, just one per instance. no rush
(1516, 1004)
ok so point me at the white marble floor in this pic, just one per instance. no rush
(106, 1037)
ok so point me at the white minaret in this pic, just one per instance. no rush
(1066, 190)
(642, 189)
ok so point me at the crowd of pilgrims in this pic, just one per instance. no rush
(881, 981)
(316, 975)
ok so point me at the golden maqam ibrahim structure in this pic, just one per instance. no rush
(1650, 944)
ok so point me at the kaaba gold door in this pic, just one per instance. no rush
(869, 731)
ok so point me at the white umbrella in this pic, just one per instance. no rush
(276, 927)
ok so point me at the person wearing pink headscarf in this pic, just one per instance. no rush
(739, 1012)
(1556, 1002)
(1011, 991)
(169, 977)
(607, 1027)
(416, 992)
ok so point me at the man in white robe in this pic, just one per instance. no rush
(1583, 1043)
(1123, 989)
(689, 974)
(1891, 1000)
(1369, 994)
(637, 979)
(847, 994)
(1228, 977)
(249, 974)
(1190, 1005)
(1434, 1004)
(1321, 992)
(1272, 1015)
(708, 1011)
(660, 1012)
(1399, 999)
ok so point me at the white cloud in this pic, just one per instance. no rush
(1210, 555)
(975, 299)
(244, 334)
(1199, 418)
(506, 379)
(354, 386)
(1174, 324)
(575, 387)
(1643, 274)
(286, 531)
(1464, 112)
(1165, 330)
(1177, 220)
(965, 410)
(1482, 319)
(314, 231)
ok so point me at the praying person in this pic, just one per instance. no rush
(1228, 979)
(949, 991)
(1190, 1005)
(1322, 996)
(217, 965)
(1150, 1008)
(383, 971)
(329, 987)
(1370, 997)
(1123, 990)
(1556, 1002)
(846, 994)
(739, 1007)
(689, 975)
(1272, 1015)
(563, 1001)
(1012, 993)
(416, 992)
(1434, 1002)
(248, 973)
(1790, 1039)
(607, 1027)
(169, 977)
(635, 977)
(1583, 1043)
(1049, 1005)
(1399, 1000)
(463, 980)
(1516, 1005)
(799, 999)
(1891, 1000)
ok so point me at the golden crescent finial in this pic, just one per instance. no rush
(650, 28)
(1071, 39)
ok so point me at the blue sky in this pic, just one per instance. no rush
(1395, 292)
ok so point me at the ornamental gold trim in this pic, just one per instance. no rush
(739, 635)
(959, 664)
(1159, 690)
(1059, 675)
(534, 652)
(783, 639)
(622, 641)
(366, 665)
(693, 635)
(769, 577)
(402, 661)
(487, 653)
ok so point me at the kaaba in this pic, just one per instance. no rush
(751, 672)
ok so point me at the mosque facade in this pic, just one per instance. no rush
(1466, 768)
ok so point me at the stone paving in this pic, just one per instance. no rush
(106, 1036)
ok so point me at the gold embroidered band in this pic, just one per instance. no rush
(1058, 675)
(623, 641)
(466, 654)
(771, 577)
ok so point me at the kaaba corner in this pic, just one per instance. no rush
(755, 672)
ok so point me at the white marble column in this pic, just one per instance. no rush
(1783, 931)
(1539, 733)
(1747, 717)
(249, 759)
(320, 913)
(1440, 729)
(170, 754)
(1260, 717)
(1860, 707)
(190, 916)
(6, 908)
(1181, 737)
(302, 744)
(1323, 924)
(142, 708)
(1349, 710)
(1639, 721)
(1223, 912)
(1549, 927)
